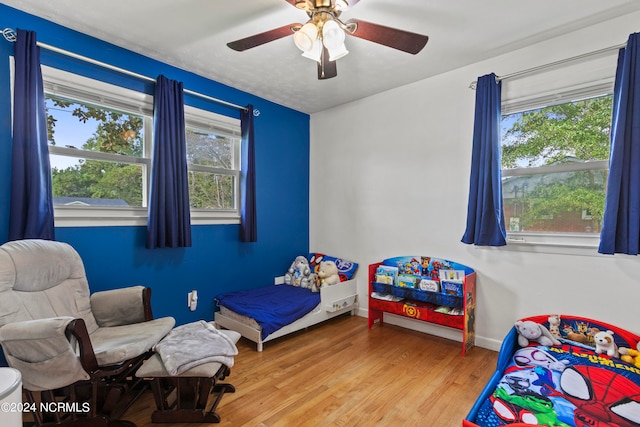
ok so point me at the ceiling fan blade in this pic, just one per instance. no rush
(326, 69)
(392, 37)
(262, 38)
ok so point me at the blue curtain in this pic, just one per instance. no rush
(621, 223)
(248, 219)
(169, 223)
(31, 212)
(485, 218)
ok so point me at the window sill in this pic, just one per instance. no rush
(554, 243)
(116, 217)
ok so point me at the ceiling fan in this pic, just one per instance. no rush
(322, 37)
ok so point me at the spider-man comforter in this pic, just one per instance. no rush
(566, 385)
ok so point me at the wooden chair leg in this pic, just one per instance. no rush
(191, 396)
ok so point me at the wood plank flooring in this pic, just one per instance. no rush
(339, 373)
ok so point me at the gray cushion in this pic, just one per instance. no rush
(41, 279)
(117, 343)
(40, 350)
(154, 368)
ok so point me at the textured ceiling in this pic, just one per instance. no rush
(192, 34)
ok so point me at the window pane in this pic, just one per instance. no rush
(574, 131)
(84, 182)
(208, 149)
(84, 126)
(555, 202)
(211, 191)
(557, 137)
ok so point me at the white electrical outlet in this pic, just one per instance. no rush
(192, 300)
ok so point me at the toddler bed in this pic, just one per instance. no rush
(572, 375)
(317, 288)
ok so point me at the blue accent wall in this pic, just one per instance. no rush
(217, 262)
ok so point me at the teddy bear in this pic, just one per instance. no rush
(327, 274)
(299, 274)
(605, 344)
(529, 330)
(630, 355)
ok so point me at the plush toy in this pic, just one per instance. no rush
(572, 335)
(327, 274)
(299, 274)
(630, 355)
(605, 344)
(529, 331)
(554, 325)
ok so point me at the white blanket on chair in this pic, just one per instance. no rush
(194, 344)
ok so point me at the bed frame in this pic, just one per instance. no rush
(510, 345)
(334, 300)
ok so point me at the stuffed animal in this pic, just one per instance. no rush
(630, 355)
(554, 325)
(605, 344)
(572, 335)
(327, 274)
(299, 274)
(529, 331)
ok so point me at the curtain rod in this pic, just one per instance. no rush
(10, 35)
(554, 64)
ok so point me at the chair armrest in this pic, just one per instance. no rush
(123, 306)
(39, 329)
(42, 351)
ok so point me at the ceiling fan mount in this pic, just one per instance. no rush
(321, 38)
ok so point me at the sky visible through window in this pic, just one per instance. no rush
(69, 132)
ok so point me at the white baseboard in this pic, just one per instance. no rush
(433, 329)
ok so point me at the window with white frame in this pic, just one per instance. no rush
(100, 145)
(213, 157)
(555, 151)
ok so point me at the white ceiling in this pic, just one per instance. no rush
(192, 34)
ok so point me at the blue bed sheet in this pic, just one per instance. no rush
(272, 306)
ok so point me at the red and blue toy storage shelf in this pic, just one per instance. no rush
(420, 305)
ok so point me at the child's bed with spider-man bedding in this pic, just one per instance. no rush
(569, 382)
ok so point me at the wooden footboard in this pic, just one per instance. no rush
(334, 301)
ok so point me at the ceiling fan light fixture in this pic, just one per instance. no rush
(341, 4)
(332, 34)
(333, 38)
(306, 36)
(315, 52)
(337, 52)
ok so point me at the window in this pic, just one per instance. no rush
(100, 145)
(555, 151)
(102, 162)
(555, 166)
(213, 157)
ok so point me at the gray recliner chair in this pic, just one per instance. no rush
(68, 345)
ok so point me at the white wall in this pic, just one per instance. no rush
(390, 177)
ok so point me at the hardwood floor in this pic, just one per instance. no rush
(340, 373)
